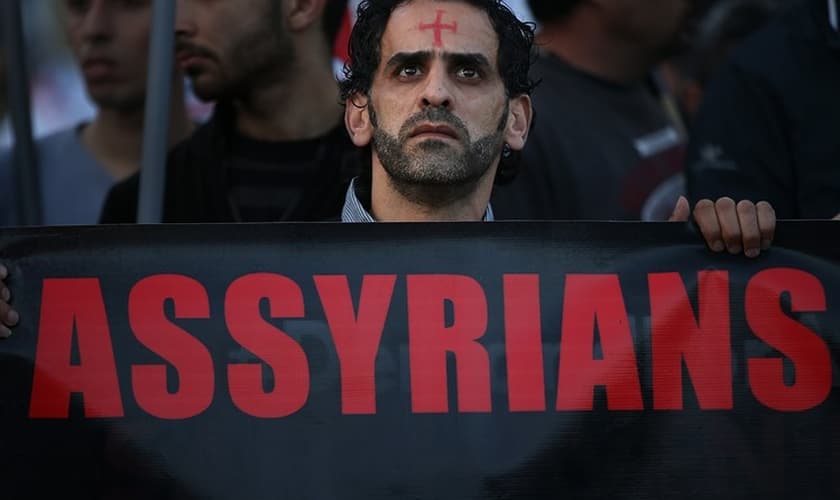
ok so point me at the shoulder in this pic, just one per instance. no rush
(63, 147)
(205, 147)
(64, 137)
(62, 143)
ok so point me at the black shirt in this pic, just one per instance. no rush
(217, 175)
(597, 151)
(769, 128)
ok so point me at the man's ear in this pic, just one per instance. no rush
(520, 115)
(301, 14)
(357, 120)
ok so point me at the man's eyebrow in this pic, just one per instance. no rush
(467, 59)
(403, 58)
(457, 58)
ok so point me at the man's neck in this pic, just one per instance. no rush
(303, 107)
(585, 45)
(389, 205)
(115, 136)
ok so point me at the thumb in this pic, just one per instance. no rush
(681, 212)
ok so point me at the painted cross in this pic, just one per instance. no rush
(439, 27)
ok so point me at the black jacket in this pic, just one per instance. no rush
(769, 128)
(196, 183)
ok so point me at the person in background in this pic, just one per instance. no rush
(275, 148)
(768, 125)
(77, 166)
(603, 140)
(721, 28)
(726, 24)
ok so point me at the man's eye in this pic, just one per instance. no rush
(468, 73)
(409, 71)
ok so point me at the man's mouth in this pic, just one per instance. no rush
(189, 56)
(188, 59)
(98, 68)
(439, 131)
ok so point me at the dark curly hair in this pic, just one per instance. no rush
(516, 42)
(515, 57)
(546, 11)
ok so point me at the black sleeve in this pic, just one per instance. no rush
(740, 144)
(121, 204)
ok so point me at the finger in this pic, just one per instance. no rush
(750, 233)
(707, 221)
(4, 332)
(4, 311)
(4, 273)
(8, 316)
(5, 294)
(766, 223)
(681, 212)
(730, 228)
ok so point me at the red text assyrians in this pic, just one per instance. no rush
(679, 337)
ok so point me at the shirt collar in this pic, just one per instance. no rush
(354, 211)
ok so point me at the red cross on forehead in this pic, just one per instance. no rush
(439, 27)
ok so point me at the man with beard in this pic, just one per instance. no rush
(604, 141)
(110, 41)
(431, 100)
(275, 148)
(440, 94)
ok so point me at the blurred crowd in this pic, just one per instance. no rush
(640, 102)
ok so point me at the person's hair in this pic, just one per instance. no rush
(516, 45)
(334, 13)
(548, 11)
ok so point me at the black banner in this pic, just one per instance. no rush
(483, 361)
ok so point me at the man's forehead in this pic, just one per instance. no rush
(439, 26)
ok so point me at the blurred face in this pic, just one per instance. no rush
(110, 40)
(229, 47)
(659, 26)
(438, 109)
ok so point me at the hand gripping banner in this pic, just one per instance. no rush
(462, 361)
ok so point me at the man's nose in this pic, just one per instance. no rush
(98, 23)
(184, 20)
(437, 92)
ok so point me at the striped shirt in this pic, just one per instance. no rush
(289, 181)
(355, 211)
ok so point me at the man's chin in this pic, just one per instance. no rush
(437, 171)
(117, 100)
(204, 88)
(432, 191)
